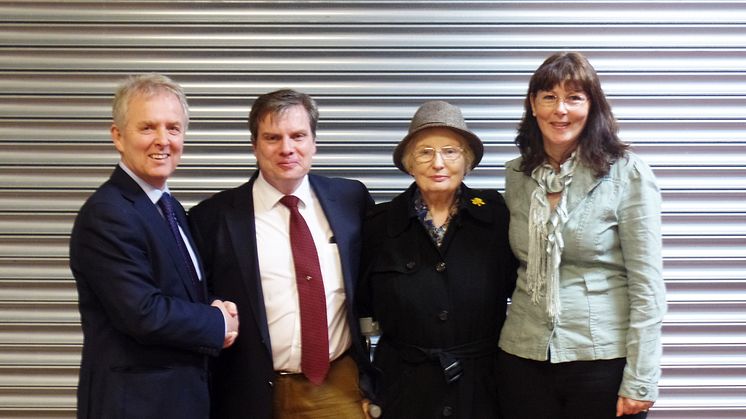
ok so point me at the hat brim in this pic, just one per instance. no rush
(472, 140)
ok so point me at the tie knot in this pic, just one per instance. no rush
(290, 201)
(165, 203)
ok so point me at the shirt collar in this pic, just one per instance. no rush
(153, 193)
(268, 196)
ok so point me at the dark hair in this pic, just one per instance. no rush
(277, 102)
(599, 144)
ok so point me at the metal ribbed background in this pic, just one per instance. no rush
(675, 72)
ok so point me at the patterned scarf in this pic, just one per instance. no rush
(545, 243)
(423, 214)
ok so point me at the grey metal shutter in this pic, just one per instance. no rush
(675, 72)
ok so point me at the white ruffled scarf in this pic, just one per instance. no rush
(545, 242)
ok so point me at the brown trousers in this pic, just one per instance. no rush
(337, 397)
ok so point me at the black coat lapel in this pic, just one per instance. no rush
(240, 218)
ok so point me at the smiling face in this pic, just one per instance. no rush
(561, 113)
(437, 176)
(152, 138)
(284, 148)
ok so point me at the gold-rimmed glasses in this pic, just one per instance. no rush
(571, 101)
(447, 153)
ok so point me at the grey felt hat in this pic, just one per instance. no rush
(437, 113)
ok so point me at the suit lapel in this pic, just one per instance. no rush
(142, 204)
(240, 218)
(336, 216)
(184, 224)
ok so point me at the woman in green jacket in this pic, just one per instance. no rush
(583, 334)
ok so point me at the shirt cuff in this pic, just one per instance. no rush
(637, 389)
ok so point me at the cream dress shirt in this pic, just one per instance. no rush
(277, 273)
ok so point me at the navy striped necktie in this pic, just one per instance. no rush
(167, 204)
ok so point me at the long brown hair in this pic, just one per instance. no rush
(599, 144)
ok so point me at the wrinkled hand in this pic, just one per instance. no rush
(230, 314)
(371, 410)
(366, 404)
(625, 406)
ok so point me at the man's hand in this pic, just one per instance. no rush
(230, 315)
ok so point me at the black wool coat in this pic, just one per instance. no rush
(435, 304)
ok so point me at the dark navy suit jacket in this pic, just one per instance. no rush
(224, 229)
(147, 329)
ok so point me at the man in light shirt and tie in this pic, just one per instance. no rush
(244, 235)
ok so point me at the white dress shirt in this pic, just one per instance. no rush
(277, 273)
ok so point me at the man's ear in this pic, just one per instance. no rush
(116, 137)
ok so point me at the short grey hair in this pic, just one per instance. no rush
(147, 85)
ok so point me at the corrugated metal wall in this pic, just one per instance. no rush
(674, 70)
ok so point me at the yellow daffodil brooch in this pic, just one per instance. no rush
(478, 201)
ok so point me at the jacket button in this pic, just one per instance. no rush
(410, 265)
(443, 315)
(440, 267)
(447, 411)
(271, 383)
(642, 391)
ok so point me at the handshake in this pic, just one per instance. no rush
(230, 314)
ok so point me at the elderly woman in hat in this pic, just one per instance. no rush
(437, 270)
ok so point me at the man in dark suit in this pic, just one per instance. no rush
(244, 237)
(147, 327)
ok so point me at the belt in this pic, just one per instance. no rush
(449, 358)
(288, 373)
(284, 373)
(418, 354)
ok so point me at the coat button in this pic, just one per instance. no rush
(447, 411)
(443, 315)
(440, 267)
(642, 391)
(271, 383)
(410, 265)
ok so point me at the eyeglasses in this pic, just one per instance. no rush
(572, 101)
(447, 153)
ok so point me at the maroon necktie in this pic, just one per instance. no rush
(314, 335)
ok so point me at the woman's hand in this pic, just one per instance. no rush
(625, 406)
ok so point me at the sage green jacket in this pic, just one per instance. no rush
(611, 287)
